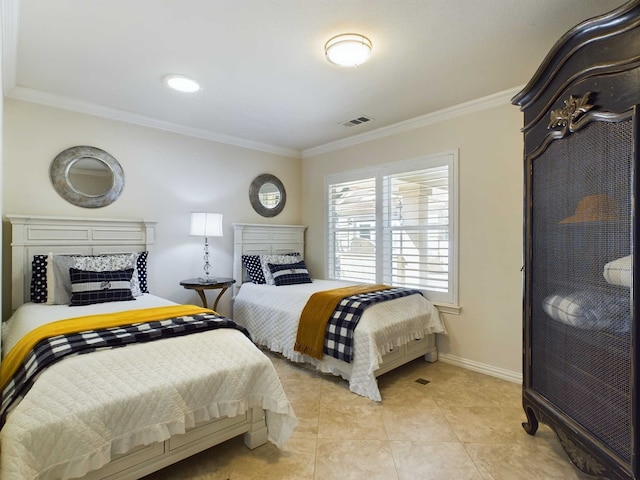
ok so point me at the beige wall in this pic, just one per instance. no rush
(167, 177)
(487, 333)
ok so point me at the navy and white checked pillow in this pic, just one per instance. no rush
(289, 274)
(278, 258)
(254, 268)
(100, 287)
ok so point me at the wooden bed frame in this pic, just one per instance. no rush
(33, 235)
(258, 239)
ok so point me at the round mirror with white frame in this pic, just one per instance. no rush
(267, 195)
(87, 176)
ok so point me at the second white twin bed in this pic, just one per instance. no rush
(396, 329)
(389, 334)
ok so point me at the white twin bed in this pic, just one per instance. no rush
(123, 413)
(389, 334)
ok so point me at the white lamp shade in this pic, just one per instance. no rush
(206, 224)
(348, 50)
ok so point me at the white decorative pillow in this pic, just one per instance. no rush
(618, 272)
(283, 259)
(59, 280)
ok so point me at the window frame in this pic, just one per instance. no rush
(448, 158)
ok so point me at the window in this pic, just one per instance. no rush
(396, 224)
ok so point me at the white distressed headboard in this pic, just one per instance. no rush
(40, 235)
(257, 239)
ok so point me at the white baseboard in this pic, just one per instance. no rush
(515, 377)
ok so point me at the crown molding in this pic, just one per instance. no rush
(466, 108)
(44, 98)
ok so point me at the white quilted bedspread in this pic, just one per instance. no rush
(271, 315)
(86, 408)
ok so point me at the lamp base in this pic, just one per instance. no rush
(206, 280)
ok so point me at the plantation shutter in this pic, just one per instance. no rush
(415, 219)
(396, 224)
(352, 230)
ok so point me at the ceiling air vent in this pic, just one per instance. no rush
(356, 121)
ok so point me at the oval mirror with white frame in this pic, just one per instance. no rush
(87, 176)
(267, 195)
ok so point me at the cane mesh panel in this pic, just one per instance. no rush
(580, 317)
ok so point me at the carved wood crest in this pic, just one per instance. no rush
(573, 109)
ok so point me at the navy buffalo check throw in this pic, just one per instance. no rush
(339, 337)
(53, 349)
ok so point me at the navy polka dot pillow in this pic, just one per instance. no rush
(141, 265)
(38, 289)
(254, 268)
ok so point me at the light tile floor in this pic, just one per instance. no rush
(462, 425)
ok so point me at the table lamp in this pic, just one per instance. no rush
(206, 225)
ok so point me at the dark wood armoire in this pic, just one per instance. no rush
(580, 349)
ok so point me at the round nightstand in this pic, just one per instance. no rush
(200, 286)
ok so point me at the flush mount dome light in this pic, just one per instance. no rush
(182, 83)
(348, 49)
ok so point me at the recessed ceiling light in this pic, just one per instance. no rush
(182, 83)
(348, 49)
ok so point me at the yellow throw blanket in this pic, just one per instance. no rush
(316, 314)
(16, 356)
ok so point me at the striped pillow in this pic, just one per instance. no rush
(590, 309)
(289, 274)
(88, 287)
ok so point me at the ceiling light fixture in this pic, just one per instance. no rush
(182, 83)
(348, 49)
